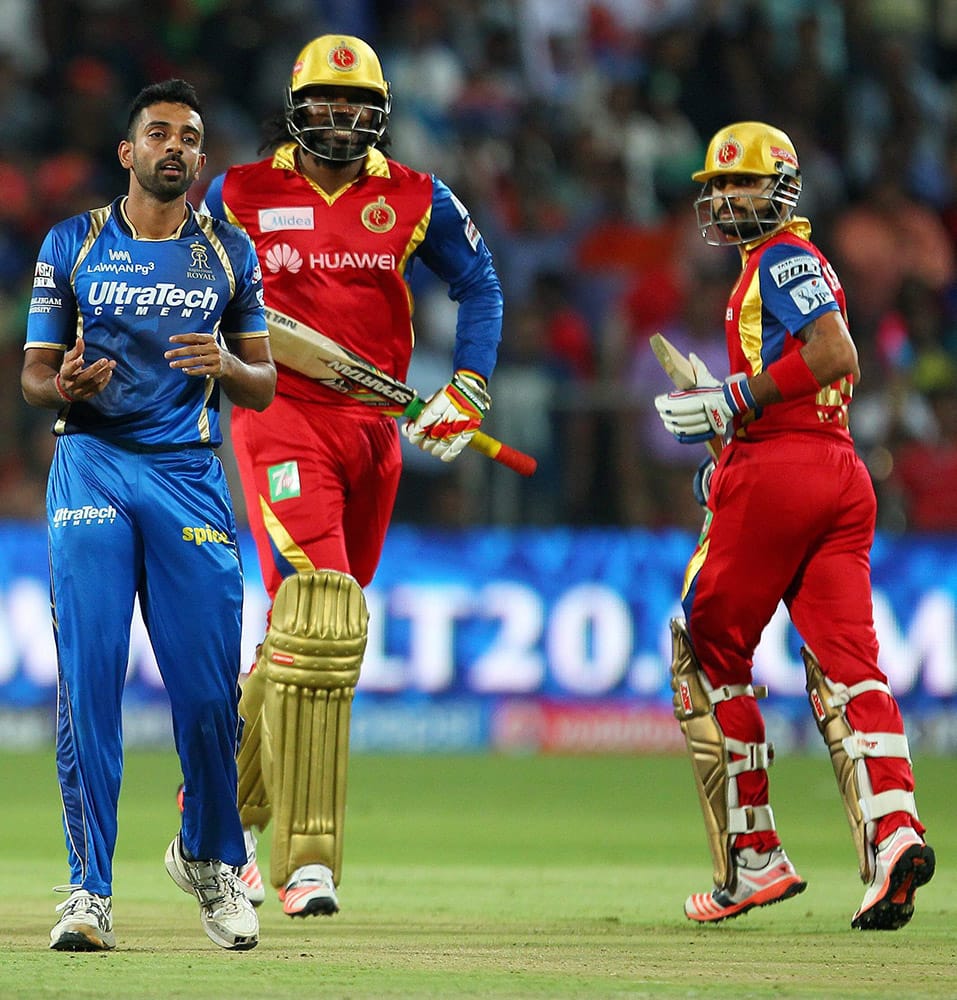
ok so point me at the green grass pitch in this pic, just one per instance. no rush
(490, 877)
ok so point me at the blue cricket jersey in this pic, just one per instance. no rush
(126, 296)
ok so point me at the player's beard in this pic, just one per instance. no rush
(163, 188)
(747, 224)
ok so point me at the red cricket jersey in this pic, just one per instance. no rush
(786, 283)
(346, 252)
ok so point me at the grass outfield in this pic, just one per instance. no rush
(490, 877)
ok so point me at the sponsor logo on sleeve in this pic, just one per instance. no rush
(40, 305)
(43, 275)
(811, 294)
(794, 267)
(471, 233)
(272, 220)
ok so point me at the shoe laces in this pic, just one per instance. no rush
(233, 899)
(217, 886)
(84, 901)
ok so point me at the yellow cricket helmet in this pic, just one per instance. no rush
(752, 149)
(749, 148)
(332, 130)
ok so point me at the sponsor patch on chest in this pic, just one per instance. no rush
(273, 220)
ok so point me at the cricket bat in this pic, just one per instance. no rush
(306, 350)
(681, 372)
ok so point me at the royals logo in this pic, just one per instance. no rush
(199, 263)
(378, 217)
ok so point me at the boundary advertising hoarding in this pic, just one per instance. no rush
(528, 640)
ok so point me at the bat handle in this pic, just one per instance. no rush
(484, 443)
(511, 458)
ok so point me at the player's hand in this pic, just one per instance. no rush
(707, 410)
(200, 356)
(76, 381)
(701, 485)
(451, 416)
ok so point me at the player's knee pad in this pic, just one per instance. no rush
(253, 801)
(849, 751)
(311, 658)
(716, 760)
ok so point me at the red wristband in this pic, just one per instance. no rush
(61, 392)
(793, 377)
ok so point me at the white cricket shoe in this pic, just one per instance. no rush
(903, 863)
(85, 924)
(762, 879)
(310, 892)
(249, 873)
(227, 915)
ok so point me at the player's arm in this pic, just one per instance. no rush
(795, 290)
(212, 203)
(828, 354)
(53, 378)
(54, 373)
(250, 376)
(453, 248)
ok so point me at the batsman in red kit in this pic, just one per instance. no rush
(337, 227)
(790, 515)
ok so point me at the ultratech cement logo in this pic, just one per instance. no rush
(164, 296)
(71, 517)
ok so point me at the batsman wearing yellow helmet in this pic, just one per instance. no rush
(790, 514)
(338, 228)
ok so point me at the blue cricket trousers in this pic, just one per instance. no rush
(159, 526)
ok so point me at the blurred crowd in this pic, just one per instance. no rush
(570, 129)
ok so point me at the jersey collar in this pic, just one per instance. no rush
(800, 226)
(376, 165)
(119, 210)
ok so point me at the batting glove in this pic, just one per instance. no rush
(707, 410)
(451, 416)
(701, 485)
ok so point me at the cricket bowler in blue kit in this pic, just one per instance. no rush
(142, 313)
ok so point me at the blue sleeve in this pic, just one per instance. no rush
(244, 312)
(454, 250)
(52, 315)
(213, 199)
(793, 289)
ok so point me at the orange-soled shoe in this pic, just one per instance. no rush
(762, 879)
(903, 863)
(310, 892)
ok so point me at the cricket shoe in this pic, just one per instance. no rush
(249, 873)
(762, 879)
(310, 892)
(227, 915)
(85, 924)
(903, 863)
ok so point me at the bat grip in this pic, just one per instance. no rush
(511, 458)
